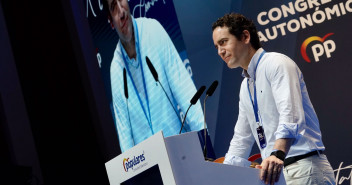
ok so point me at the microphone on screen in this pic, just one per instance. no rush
(156, 78)
(152, 69)
(193, 101)
(125, 83)
(126, 97)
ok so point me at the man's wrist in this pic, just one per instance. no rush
(279, 154)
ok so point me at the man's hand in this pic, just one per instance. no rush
(270, 170)
(271, 167)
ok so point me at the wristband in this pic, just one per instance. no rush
(279, 154)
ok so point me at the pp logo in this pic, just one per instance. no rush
(125, 161)
(325, 46)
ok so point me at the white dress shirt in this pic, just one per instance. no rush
(284, 109)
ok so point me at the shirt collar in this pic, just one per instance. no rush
(249, 73)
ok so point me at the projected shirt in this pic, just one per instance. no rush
(285, 110)
(147, 109)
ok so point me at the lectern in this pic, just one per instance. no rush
(175, 160)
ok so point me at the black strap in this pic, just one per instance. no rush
(291, 160)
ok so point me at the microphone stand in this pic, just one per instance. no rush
(193, 101)
(172, 105)
(156, 78)
(184, 119)
(129, 120)
(205, 135)
(126, 97)
(209, 92)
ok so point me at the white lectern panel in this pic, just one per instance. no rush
(138, 159)
(190, 168)
(180, 160)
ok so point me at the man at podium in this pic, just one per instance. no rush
(274, 109)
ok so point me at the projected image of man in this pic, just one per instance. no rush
(148, 109)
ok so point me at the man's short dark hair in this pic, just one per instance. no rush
(237, 23)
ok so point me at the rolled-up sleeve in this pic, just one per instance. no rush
(284, 76)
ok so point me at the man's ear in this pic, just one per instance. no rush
(246, 36)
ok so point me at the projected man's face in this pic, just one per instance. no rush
(121, 19)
